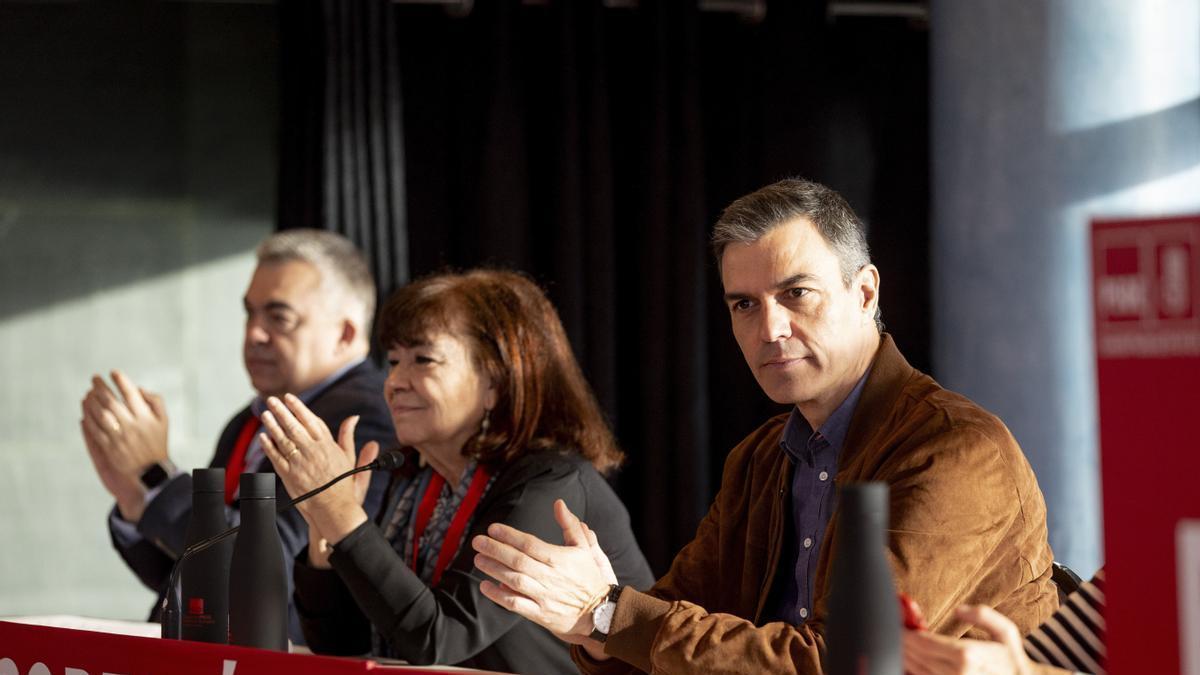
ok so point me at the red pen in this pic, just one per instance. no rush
(910, 612)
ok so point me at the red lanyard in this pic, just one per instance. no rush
(236, 463)
(461, 516)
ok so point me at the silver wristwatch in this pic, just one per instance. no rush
(602, 615)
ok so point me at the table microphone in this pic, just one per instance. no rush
(387, 461)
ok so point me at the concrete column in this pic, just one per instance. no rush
(1044, 115)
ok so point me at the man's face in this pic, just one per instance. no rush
(293, 335)
(806, 336)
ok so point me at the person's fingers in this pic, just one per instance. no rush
(98, 385)
(312, 424)
(590, 534)
(362, 481)
(109, 401)
(522, 583)
(599, 556)
(129, 391)
(930, 654)
(269, 447)
(916, 657)
(288, 469)
(962, 655)
(157, 406)
(286, 422)
(507, 555)
(281, 464)
(92, 443)
(370, 453)
(573, 534)
(922, 664)
(110, 421)
(510, 558)
(510, 600)
(998, 626)
(94, 409)
(913, 655)
(91, 408)
(283, 442)
(522, 542)
(346, 434)
(86, 434)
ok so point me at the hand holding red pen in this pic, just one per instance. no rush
(926, 653)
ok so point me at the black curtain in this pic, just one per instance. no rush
(593, 147)
(341, 150)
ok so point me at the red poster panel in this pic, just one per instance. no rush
(1146, 294)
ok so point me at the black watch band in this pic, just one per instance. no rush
(157, 474)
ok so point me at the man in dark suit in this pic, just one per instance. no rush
(308, 316)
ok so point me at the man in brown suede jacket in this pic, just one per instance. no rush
(749, 593)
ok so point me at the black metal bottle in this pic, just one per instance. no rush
(258, 588)
(863, 630)
(204, 579)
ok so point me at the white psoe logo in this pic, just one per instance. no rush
(1176, 296)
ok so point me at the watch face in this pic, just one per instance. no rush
(602, 616)
(154, 476)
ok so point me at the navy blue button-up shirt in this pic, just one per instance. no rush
(813, 455)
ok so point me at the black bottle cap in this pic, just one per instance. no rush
(257, 486)
(208, 480)
(867, 501)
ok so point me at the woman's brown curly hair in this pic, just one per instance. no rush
(516, 337)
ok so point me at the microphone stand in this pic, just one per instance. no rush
(170, 618)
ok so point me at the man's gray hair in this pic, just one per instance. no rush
(748, 218)
(342, 266)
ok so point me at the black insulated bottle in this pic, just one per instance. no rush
(863, 630)
(204, 579)
(258, 589)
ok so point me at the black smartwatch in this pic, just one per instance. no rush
(157, 474)
(602, 615)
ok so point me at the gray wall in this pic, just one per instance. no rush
(1046, 115)
(137, 145)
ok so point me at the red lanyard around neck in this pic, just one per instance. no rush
(461, 516)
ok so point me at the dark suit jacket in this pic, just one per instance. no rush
(164, 524)
(372, 589)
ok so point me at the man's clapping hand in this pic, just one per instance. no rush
(124, 435)
(556, 587)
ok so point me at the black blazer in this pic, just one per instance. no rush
(371, 588)
(163, 526)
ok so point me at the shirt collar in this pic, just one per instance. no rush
(259, 405)
(798, 434)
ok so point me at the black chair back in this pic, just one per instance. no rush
(1065, 580)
